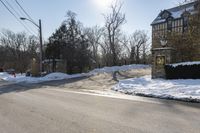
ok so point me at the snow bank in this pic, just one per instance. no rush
(49, 77)
(188, 90)
(5, 76)
(61, 76)
(186, 63)
(119, 68)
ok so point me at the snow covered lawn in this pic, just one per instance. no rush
(61, 76)
(187, 90)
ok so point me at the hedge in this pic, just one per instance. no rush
(183, 71)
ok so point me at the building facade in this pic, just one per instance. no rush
(173, 21)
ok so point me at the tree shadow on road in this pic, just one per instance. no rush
(7, 87)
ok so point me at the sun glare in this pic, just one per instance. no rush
(103, 3)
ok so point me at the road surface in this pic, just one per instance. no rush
(54, 109)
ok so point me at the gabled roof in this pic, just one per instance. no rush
(175, 12)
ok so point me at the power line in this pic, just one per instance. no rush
(30, 18)
(18, 14)
(24, 11)
(15, 16)
(12, 7)
(19, 9)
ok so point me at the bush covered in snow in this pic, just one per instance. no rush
(185, 70)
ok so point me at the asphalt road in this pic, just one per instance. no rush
(51, 109)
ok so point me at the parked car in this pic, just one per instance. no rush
(1, 69)
(10, 71)
(28, 73)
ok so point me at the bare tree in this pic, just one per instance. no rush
(17, 50)
(94, 36)
(138, 44)
(113, 22)
(126, 51)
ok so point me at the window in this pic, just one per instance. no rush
(153, 27)
(180, 30)
(165, 25)
(185, 21)
(173, 24)
(181, 21)
(169, 25)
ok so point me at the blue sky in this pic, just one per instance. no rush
(139, 13)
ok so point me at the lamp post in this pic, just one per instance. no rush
(40, 36)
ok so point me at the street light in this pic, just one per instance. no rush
(40, 33)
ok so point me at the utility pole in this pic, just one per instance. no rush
(40, 37)
(41, 52)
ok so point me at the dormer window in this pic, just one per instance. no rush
(165, 14)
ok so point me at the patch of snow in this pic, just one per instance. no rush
(159, 20)
(185, 63)
(177, 14)
(119, 68)
(174, 89)
(61, 76)
(5, 76)
(49, 77)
